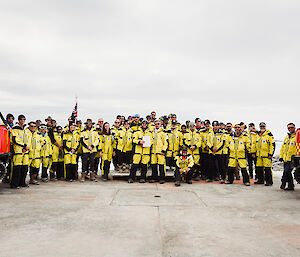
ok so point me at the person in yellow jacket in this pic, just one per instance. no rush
(135, 123)
(56, 137)
(174, 143)
(114, 131)
(238, 146)
(141, 153)
(107, 149)
(99, 129)
(287, 153)
(46, 152)
(216, 141)
(89, 140)
(124, 146)
(34, 153)
(158, 152)
(264, 149)
(204, 156)
(184, 166)
(252, 137)
(192, 140)
(21, 142)
(71, 141)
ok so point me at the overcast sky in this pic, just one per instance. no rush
(219, 60)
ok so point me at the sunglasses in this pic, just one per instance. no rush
(117, 122)
(89, 123)
(32, 126)
(291, 127)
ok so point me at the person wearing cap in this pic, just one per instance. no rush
(116, 128)
(46, 152)
(141, 154)
(158, 152)
(135, 123)
(173, 121)
(21, 142)
(34, 153)
(252, 133)
(174, 138)
(184, 166)
(48, 121)
(238, 146)
(216, 142)
(287, 153)
(89, 140)
(264, 149)
(67, 127)
(99, 129)
(71, 140)
(204, 156)
(57, 166)
(124, 146)
(107, 151)
(192, 140)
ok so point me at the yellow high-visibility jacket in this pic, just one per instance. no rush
(107, 148)
(218, 140)
(288, 148)
(253, 139)
(36, 145)
(184, 161)
(137, 137)
(238, 146)
(114, 131)
(124, 140)
(160, 143)
(192, 138)
(264, 145)
(71, 141)
(20, 138)
(135, 126)
(89, 138)
(46, 150)
(174, 141)
(204, 137)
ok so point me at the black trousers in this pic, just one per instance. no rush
(231, 172)
(204, 163)
(125, 158)
(170, 161)
(116, 158)
(287, 176)
(155, 168)
(251, 161)
(106, 166)
(58, 170)
(187, 175)
(88, 162)
(264, 174)
(71, 171)
(96, 164)
(19, 175)
(216, 167)
(134, 168)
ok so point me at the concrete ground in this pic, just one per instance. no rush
(120, 219)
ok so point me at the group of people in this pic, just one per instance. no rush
(196, 150)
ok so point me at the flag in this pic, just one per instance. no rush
(74, 113)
